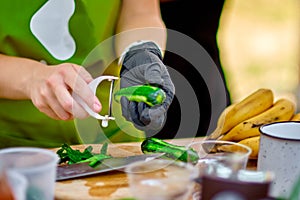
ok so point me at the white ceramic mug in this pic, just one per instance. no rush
(280, 152)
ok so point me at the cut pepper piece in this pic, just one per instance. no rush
(148, 94)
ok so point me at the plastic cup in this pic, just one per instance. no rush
(6, 192)
(220, 158)
(161, 179)
(36, 165)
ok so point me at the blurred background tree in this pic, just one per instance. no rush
(259, 43)
(255, 43)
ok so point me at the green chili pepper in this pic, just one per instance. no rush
(182, 153)
(142, 93)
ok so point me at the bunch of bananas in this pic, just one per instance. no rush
(240, 122)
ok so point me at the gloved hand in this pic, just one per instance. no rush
(143, 64)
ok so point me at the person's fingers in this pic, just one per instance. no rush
(78, 111)
(45, 101)
(42, 105)
(141, 115)
(61, 106)
(144, 116)
(51, 93)
(124, 106)
(169, 88)
(159, 75)
(85, 75)
(134, 113)
(73, 79)
(49, 112)
(153, 74)
(48, 104)
(132, 77)
(68, 104)
(155, 117)
(80, 87)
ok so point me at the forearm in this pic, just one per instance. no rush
(139, 21)
(50, 88)
(15, 74)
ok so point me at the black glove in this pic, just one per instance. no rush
(142, 64)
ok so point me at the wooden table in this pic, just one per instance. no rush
(111, 185)
(106, 186)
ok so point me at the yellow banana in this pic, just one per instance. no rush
(217, 132)
(282, 110)
(296, 117)
(253, 143)
(252, 105)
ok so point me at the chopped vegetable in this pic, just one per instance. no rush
(70, 156)
(96, 159)
(182, 153)
(104, 148)
(142, 93)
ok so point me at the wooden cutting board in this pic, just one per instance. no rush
(105, 186)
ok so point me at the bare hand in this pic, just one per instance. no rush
(52, 88)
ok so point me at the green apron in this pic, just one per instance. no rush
(91, 23)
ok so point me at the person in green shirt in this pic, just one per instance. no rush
(44, 46)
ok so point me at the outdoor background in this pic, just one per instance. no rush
(259, 43)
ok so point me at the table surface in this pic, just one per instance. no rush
(105, 186)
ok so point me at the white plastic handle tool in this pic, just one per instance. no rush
(93, 85)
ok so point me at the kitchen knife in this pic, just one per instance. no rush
(65, 172)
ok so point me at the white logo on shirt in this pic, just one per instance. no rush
(50, 25)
